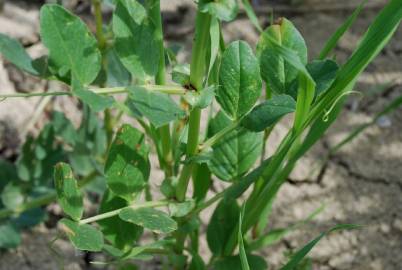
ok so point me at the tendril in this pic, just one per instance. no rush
(325, 117)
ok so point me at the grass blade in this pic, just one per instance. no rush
(395, 104)
(298, 257)
(333, 40)
(242, 250)
(251, 15)
(375, 39)
(275, 235)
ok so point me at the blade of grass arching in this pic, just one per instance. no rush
(251, 15)
(375, 39)
(242, 250)
(275, 235)
(299, 256)
(334, 39)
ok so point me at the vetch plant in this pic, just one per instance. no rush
(128, 57)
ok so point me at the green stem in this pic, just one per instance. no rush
(197, 70)
(150, 204)
(164, 131)
(192, 144)
(99, 24)
(166, 89)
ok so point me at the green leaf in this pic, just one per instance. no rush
(82, 236)
(119, 233)
(7, 173)
(158, 108)
(96, 102)
(71, 45)
(13, 51)
(149, 218)
(202, 182)
(299, 256)
(29, 218)
(251, 14)
(225, 10)
(12, 196)
(236, 152)
(240, 81)
(234, 263)
(323, 73)
(306, 84)
(181, 209)
(38, 157)
(242, 250)
(222, 223)
(275, 71)
(127, 167)
(135, 42)
(9, 236)
(68, 194)
(269, 112)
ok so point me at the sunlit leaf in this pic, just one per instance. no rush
(275, 71)
(135, 42)
(72, 47)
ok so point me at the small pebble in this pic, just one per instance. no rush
(384, 122)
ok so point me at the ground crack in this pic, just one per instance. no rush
(359, 176)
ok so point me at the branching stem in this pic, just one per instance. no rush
(166, 89)
(149, 204)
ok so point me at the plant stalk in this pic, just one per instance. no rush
(197, 70)
(166, 89)
(164, 131)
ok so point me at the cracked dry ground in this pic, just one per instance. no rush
(361, 183)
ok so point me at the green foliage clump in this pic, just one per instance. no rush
(128, 56)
